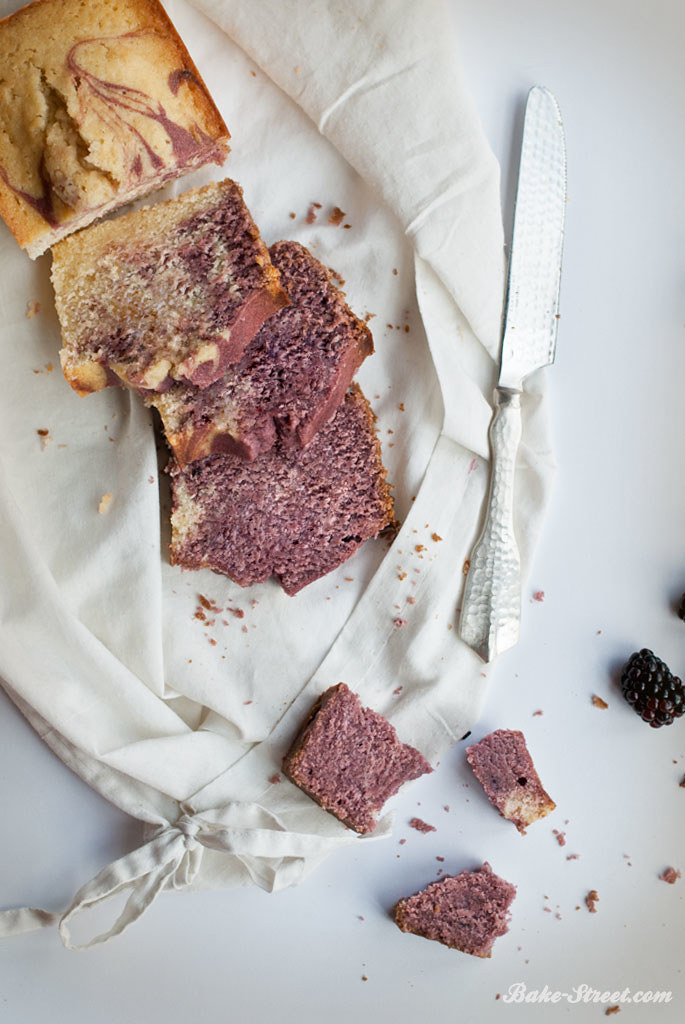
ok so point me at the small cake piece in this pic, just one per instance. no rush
(290, 381)
(175, 291)
(294, 513)
(99, 104)
(349, 759)
(504, 768)
(467, 911)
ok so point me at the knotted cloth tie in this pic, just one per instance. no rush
(171, 859)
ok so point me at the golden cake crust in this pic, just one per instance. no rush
(100, 103)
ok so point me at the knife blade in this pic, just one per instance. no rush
(491, 606)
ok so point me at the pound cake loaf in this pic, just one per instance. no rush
(467, 911)
(289, 383)
(100, 103)
(292, 513)
(350, 760)
(503, 766)
(175, 291)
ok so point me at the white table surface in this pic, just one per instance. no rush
(611, 564)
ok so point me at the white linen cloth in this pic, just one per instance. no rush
(178, 714)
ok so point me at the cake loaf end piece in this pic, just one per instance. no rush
(100, 103)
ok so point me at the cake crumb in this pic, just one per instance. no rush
(670, 875)
(611, 1009)
(104, 503)
(397, 690)
(538, 712)
(466, 566)
(572, 856)
(275, 779)
(539, 595)
(591, 901)
(32, 308)
(337, 216)
(312, 212)
(598, 702)
(45, 438)
(400, 623)
(436, 537)
(560, 837)
(421, 826)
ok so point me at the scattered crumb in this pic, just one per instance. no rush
(611, 1009)
(498, 995)
(212, 641)
(670, 875)
(395, 271)
(104, 503)
(398, 690)
(572, 856)
(32, 308)
(292, 215)
(254, 75)
(399, 623)
(560, 837)
(682, 782)
(441, 859)
(539, 595)
(275, 779)
(466, 566)
(420, 547)
(446, 808)
(598, 702)
(402, 842)
(248, 702)
(337, 216)
(311, 212)
(45, 438)
(347, 225)
(401, 408)
(436, 537)
(535, 713)
(421, 826)
(591, 901)
(364, 978)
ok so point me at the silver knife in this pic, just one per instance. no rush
(491, 607)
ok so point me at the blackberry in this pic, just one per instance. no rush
(652, 690)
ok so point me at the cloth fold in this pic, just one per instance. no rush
(176, 694)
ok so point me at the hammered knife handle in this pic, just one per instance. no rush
(491, 607)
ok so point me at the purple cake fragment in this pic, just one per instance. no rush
(350, 760)
(504, 767)
(467, 911)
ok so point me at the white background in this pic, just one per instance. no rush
(611, 564)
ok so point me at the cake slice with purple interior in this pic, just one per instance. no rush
(350, 760)
(289, 383)
(467, 911)
(292, 513)
(502, 764)
(100, 103)
(174, 291)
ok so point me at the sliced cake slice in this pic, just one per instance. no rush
(292, 513)
(100, 103)
(175, 291)
(349, 759)
(504, 767)
(467, 911)
(290, 381)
